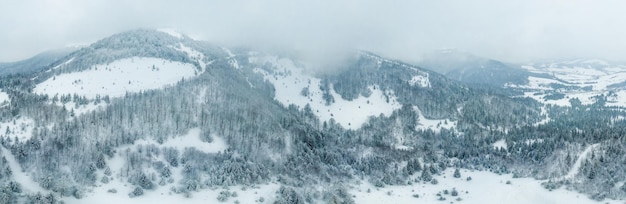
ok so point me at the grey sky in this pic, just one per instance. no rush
(506, 30)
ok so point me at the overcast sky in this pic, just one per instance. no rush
(514, 31)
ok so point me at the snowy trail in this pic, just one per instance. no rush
(583, 155)
(20, 176)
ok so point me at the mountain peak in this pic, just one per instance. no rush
(171, 32)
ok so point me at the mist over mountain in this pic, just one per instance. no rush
(35, 63)
(468, 68)
(154, 115)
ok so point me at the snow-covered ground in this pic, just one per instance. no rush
(420, 80)
(61, 65)
(483, 188)
(4, 98)
(500, 144)
(191, 139)
(117, 78)
(294, 86)
(618, 98)
(20, 128)
(21, 176)
(82, 109)
(576, 167)
(193, 54)
(544, 113)
(164, 194)
(596, 75)
(424, 123)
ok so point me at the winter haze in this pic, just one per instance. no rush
(515, 31)
(295, 102)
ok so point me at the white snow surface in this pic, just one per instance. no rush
(500, 144)
(21, 176)
(576, 167)
(117, 78)
(424, 123)
(596, 74)
(164, 194)
(20, 128)
(484, 188)
(290, 80)
(420, 80)
(82, 109)
(193, 54)
(62, 64)
(618, 98)
(4, 98)
(191, 139)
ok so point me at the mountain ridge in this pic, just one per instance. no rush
(258, 119)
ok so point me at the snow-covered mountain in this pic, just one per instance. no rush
(472, 69)
(34, 64)
(155, 116)
(587, 80)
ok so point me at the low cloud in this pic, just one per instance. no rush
(326, 30)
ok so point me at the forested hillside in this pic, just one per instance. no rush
(232, 122)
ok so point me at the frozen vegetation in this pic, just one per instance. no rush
(294, 86)
(154, 116)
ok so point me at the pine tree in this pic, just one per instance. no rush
(457, 173)
(426, 176)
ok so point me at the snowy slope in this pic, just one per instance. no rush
(4, 98)
(290, 81)
(190, 140)
(193, 54)
(61, 65)
(163, 193)
(581, 79)
(424, 123)
(21, 175)
(117, 78)
(20, 128)
(78, 110)
(483, 188)
(582, 157)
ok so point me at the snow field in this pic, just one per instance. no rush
(193, 54)
(191, 139)
(290, 81)
(483, 188)
(424, 123)
(117, 78)
(20, 175)
(60, 65)
(595, 73)
(500, 144)
(82, 109)
(576, 167)
(164, 194)
(420, 80)
(20, 128)
(4, 99)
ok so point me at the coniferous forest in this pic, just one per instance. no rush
(68, 152)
